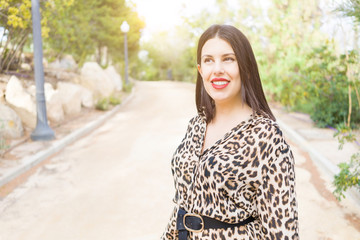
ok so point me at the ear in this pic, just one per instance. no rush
(199, 69)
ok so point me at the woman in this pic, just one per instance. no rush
(233, 171)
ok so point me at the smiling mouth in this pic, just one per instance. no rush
(219, 83)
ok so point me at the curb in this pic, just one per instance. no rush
(31, 161)
(321, 161)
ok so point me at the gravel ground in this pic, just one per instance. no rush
(115, 183)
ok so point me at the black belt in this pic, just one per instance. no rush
(196, 223)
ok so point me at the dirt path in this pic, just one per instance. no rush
(116, 182)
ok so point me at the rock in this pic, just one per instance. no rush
(21, 101)
(67, 62)
(2, 92)
(71, 97)
(48, 88)
(63, 75)
(45, 63)
(67, 76)
(96, 80)
(26, 66)
(115, 77)
(54, 107)
(10, 123)
(87, 99)
(4, 78)
(54, 103)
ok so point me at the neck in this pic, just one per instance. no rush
(235, 110)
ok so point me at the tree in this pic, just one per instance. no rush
(175, 51)
(351, 8)
(16, 26)
(349, 175)
(168, 55)
(92, 27)
(15, 23)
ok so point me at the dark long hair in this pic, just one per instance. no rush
(251, 89)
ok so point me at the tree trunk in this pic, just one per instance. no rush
(350, 105)
(19, 47)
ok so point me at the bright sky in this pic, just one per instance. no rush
(164, 14)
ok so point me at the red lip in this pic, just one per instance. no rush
(216, 86)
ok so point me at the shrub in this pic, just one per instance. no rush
(326, 84)
(348, 177)
(128, 87)
(105, 103)
(115, 99)
(102, 104)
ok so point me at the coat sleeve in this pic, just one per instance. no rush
(170, 232)
(276, 196)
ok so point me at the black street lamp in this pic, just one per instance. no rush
(42, 130)
(125, 29)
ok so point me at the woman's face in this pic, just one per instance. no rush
(220, 71)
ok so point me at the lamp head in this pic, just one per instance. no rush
(125, 27)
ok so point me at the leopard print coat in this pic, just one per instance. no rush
(249, 172)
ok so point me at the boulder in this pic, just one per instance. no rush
(71, 97)
(87, 99)
(10, 123)
(54, 107)
(26, 66)
(21, 101)
(96, 80)
(48, 88)
(115, 77)
(66, 62)
(2, 92)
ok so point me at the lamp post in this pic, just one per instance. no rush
(125, 29)
(42, 130)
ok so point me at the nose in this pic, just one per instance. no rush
(218, 68)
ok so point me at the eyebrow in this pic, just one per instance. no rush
(224, 55)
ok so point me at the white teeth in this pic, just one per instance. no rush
(219, 83)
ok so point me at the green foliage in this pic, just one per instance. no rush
(170, 57)
(92, 27)
(351, 8)
(82, 28)
(344, 134)
(15, 21)
(326, 81)
(172, 54)
(128, 87)
(348, 177)
(104, 104)
(115, 100)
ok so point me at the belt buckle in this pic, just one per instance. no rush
(190, 229)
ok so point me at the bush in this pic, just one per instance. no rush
(105, 103)
(128, 87)
(348, 177)
(327, 84)
(102, 104)
(114, 100)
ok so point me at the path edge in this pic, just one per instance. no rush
(29, 162)
(321, 161)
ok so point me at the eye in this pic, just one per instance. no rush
(208, 60)
(229, 59)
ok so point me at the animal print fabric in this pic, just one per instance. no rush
(249, 172)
